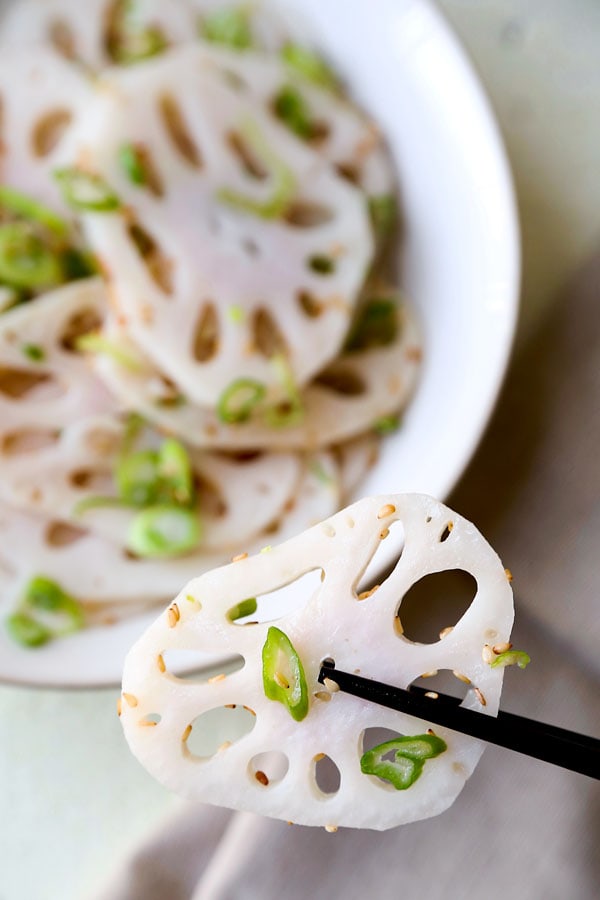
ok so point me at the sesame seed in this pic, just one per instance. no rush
(331, 829)
(224, 746)
(450, 526)
(281, 681)
(323, 695)
(365, 594)
(247, 708)
(509, 575)
(261, 778)
(130, 699)
(186, 733)
(147, 723)
(461, 677)
(161, 663)
(173, 615)
(216, 678)
(119, 706)
(383, 534)
(487, 654)
(432, 694)
(388, 510)
(319, 757)
(328, 529)
(480, 697)
(430, 731)
(230, 705)
(446, 631)
(322, 574)
(501, 648)
(332, 686)
(239, 557)
(290, 823)
(430, 674)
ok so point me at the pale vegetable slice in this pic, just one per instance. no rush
(351, 396)
(355, 459)
(215, 261)
(89, 33)
(333, 623)
(45, 384)
(73, 479)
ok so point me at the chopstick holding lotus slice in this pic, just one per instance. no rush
(268, 761)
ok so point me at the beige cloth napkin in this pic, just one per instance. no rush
(521, 829)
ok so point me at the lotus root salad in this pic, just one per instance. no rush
(203, 340)
(256, 735)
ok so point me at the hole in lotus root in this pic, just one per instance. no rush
(48, 131)
(267, 337)
(305, 214)
(151, 177)
(60, 35)
(28, 440)
(178, 131)
(210, 498)
(446, 532)
(214, 731)
(435, 602)
(206, 336)
(61, 534)
(327, 775)
(20, 383)
(159, 266)
(190, 665)
(248, 160)
(342, 381)
(391, 539)
(309, 304)
(268, 769)
(443, 681)
(80, 323)
(279, 602)
(100, 480)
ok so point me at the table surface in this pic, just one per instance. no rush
(73, 800)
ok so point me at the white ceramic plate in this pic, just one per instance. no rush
(459, 261)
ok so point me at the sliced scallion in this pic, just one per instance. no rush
(137, 478)
(34, 352)
(25, 261)
(132, 163)
(95, 342)
(241, 610)
(85, 191)
(164, 531)
(44, 612)
(309, 65)
(291, 108)
(384, 213)
(283, 674)
(511, 658)
(387, 424)
(238, 401)
(377, 325)
(290, 411)
(400, 761)
(25, 207)
(27, 631)
(230, 27)
(175, 472)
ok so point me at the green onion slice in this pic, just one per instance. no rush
(34, 352)
(230, 27)
(283, 674)
(129, 41)
(85, 191)
(309, 65)
(26, 631)
(291, 108)
(25, 207)
(95, 342)
(283, 180)
(175, 472)
(132, 163)
(243, 609)
(291, 411)
(511, 658)
(238, 401)
(163, 531)
(387, 424)
(406, 757)
(384, 213)
(137, 477)
(44, 612)
(377, 325)
(25, 261)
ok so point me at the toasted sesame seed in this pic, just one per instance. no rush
(331, 685)
(186, 733)
(432, 694)
(224, 746)
(281, 681)
(364, 594)
(480, 697)
(173, 615)
(331, 829)
(487, 654)
(509, 574)
(323, 695)
(119, 706)
(388, 510)
(430, 731)
(261, 778)
(501, 648)
(322, 574)
(147, 723)
(461, 677)
(247, 708)
(230, 705)
(130, 699)
(319, 757)
(383, 534)
(290, 823)
(430, 674)
(446, 631)
(220, 677)
(450, 526)
(161, 663)
(239, 557)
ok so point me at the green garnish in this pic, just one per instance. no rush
(511, 658)
(77, 264)
(137, 478)
(291, 411)
(236, 314)
(25, 207)
(282, 178)
(387, 424)
(238, 401)
(309, 65)
(376, 326)
(25, 260)
(96, 502)
(228, 26)
(384, 213)
(283, 674)
(322, 265)
(34, 352)
(85, 191)
(128, 42)
(44, 612)
(95, 342)
(175, 474)
(292, 109)
(408, 756)
(243, 609)
(164, 531)
(132, 163)
(320, 473)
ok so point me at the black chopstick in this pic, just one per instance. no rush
(573, 751)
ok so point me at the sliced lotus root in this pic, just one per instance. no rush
(267, 761)
(45, 384)
(237, 498)
(211, 260)
(349, 397)
(355, 459)
(98, 33)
